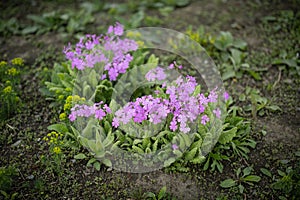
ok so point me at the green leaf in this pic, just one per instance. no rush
(273, 108)
(206, 166)
(247, 171)
(281, 173)
(251, 178)
(91, 161)
(154, 146)
(61, 128)
(288, 62)
(97, 165)
(107, 127)
(227, 136)
(150, 195)
(106, 162)
(240, 44)
(266, 172)
(236, 56)
(109, 139)
(190, 154)
(29, 30)
(228, 183)
(80, 156)
(228, 74)
(198, 160)
(37, 19)
(137, 149)
(181, 3)
(197, 90)
(242, 97)
(162, 193)
(241, 188)
(169, 161)
(254, 74)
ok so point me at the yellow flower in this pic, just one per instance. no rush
(61, 97)
(76, 98)
(57, 150)
(140, 43)
(17, 99)
(132, 34)
(62, 116)
(8, 89)
(17, 61)
(69, 99)
(12, 71)
(67, 106)
(68, 90)
(3, 64)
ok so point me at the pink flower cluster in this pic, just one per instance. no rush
(87, 111)
(156, 74)
(89, 51)
(181, 103)
(144, 108)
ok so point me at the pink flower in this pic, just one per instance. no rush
(174, 147)
(115, 123)
(171, 66)
(204, 119)
(217, 112)
(118, 29)
(156, 74)
(226, 96)
(110, 29)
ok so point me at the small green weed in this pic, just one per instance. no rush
(242, 177)
(7, 175)
(289, 183)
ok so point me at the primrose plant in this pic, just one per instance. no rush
(172, 118)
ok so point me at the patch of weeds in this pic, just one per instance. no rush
(70, 22)
(282, 29)
(259, 105)
(139, 19)
(7, 174)
(10, 77)
(228, 52)
(243, 177)
(60, 85)
(288, 183)
(62, 21)
(10, 27)
(234, 142)
(164, 6)
(288, 62)
(138, 9)
(162, 194)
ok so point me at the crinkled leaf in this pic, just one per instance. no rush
(227, 136)
(190, 154)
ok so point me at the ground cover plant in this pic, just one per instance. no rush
(46, 106)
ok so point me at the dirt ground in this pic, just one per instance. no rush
(244, 20)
